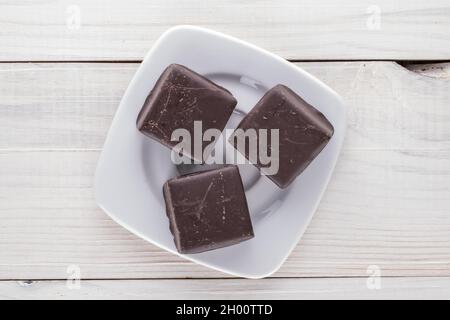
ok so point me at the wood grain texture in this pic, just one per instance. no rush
(338, 288)
(433, 70)
(46, 30)
(387, 203)
(70, 106)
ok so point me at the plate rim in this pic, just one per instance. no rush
(195, 29)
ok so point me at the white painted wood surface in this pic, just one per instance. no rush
(387, 203)
(306, 30)
(277, 289)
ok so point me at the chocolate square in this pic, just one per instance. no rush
(207, 210)
(303, 132)
(180, 97)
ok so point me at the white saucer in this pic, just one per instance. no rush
(132, 168)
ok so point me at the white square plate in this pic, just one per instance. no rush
(133, 168)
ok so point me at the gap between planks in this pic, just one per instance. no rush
(400, 62)
(32, 280)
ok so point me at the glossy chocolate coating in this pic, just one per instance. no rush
(207, 210)
(303, 131)
(180, 97)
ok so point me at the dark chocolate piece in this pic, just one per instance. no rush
(303, 131)
(207, 210)
(180, 97)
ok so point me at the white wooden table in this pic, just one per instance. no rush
(64, 66)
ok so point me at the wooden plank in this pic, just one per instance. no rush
(305, 30)
(68, 106)
(338, 288)
(59, 105)
(387, 204)
(384, 208)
